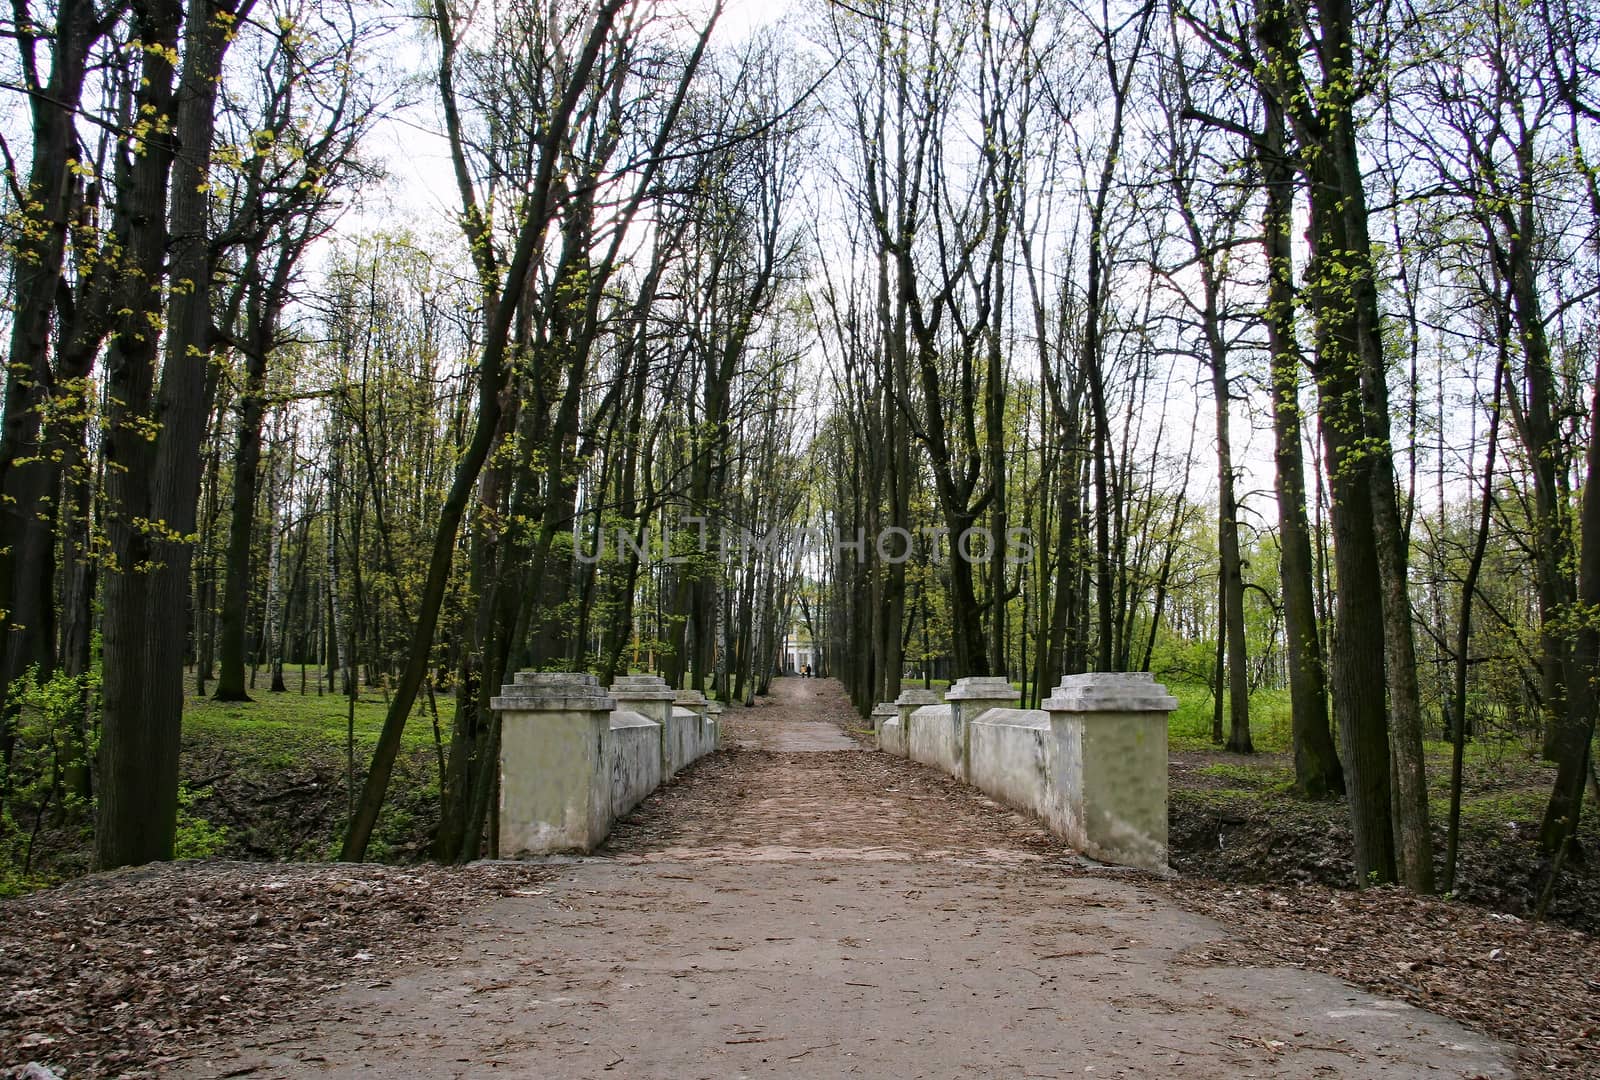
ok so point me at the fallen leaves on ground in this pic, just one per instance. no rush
(1233, 819)
(119, 974)
(747, 798)
(1534, 986)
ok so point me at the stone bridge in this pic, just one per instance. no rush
(1091, 765)
(795, 904)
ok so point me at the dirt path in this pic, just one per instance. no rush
(794, 906)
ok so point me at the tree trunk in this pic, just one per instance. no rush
(1318, 773)
(1561, 815)
(491, 379)
(1358, 670)
(1219, 667)
(153, 488)
(1339, 283)
(30, 479)
(241, 526)
(1413, 833)
(1469, 586)
(1232, 591)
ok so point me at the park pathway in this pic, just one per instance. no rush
(793, 906)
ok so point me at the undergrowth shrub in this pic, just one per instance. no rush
(46, 785)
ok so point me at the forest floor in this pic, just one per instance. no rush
(267, 779)
(790, 906)
(1235, 818)
(270, 780)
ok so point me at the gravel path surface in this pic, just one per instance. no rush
(792, 906)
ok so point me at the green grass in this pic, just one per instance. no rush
(273, 772)
(1254, 776)
(1493, 809)
(1189, 727)
(1503, 778)
(1493, 754)
(278, 727)
(1222, 798)
(266, 779)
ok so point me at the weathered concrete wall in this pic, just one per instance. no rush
(932, 739)
(969, 699)
(1010, 753)
(633, 748)
(555, 789)
(650, 697)
(683, 739)
(909, 701)
(686, 731)
(1110, 779)
(1092, 764)
(574, 758)
(882, 713)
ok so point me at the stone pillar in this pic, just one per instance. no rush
(713, 723)
(651, 698)
(555, 782)
(970, 698)
(685, 732)
(910, 701)
(1109, 775)
(882, 711)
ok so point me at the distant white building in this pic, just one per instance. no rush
(799, 651)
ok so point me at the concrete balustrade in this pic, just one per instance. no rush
(932, 739)
(893, 737)
(575, 757)
(633, 751)
(686, 732)
(885, 716)
(1091, 764)
(969, 699)
(1010, 756)
(651, 697)
(556, 796)
(1110, 735)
